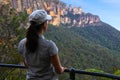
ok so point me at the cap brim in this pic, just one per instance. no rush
(49, 17)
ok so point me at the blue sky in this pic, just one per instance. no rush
(107, 10)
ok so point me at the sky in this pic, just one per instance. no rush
(107, 10)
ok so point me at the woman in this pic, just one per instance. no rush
(40, 55)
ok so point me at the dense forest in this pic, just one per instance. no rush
(90, 48)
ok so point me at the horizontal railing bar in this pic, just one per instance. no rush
(12, 66)
(69, 70)
(94, 73)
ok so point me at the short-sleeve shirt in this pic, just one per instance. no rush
(39, 66)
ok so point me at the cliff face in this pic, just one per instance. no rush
(71, 16)
(76, 17)
(61, 13)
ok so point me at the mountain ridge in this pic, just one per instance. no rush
(70, 16)
(74, 16)
(61, 13)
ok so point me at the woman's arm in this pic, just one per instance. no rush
(55, 61)
(25, 64)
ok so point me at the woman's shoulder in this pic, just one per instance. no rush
(53, 49)
(21, 45)
(47, 42)
(50, 42)
(22, 41)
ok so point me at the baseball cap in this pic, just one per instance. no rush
(39, 16)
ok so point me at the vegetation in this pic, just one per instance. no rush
(80, 52)
(104, 35)
(90, 48)
(10, 34)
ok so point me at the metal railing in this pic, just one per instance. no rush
(12, 72)
(71, 72)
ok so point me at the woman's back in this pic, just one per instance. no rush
(39, 61)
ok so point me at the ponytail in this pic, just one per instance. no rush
(33, 36)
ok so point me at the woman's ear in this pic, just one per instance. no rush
(45, 25)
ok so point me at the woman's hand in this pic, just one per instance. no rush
(57, 65)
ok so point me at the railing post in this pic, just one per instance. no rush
(72, 74)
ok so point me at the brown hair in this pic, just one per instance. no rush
(33, 36)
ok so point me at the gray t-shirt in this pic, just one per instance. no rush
(39, 66)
